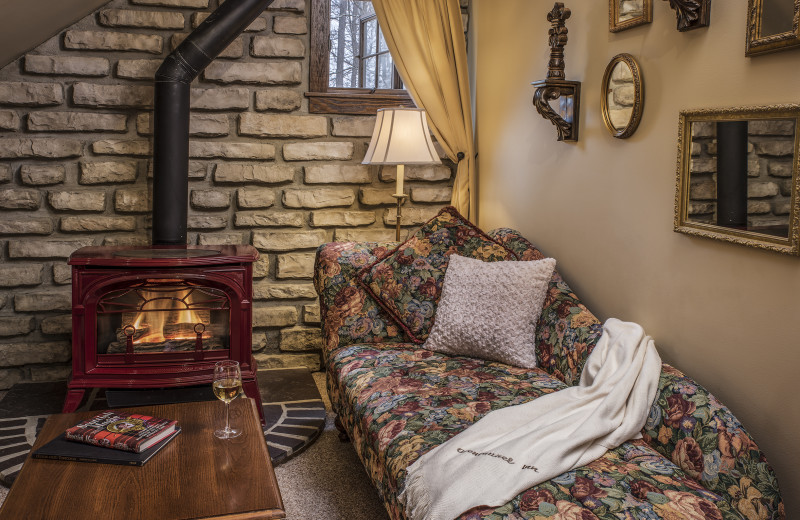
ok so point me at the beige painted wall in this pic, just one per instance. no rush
(725, 314)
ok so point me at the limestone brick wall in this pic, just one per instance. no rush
(75, 145)
(769, 172)
(630, 9)
(621, 96)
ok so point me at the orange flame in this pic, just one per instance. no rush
(167, 318)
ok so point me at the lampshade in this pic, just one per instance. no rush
(401, 136)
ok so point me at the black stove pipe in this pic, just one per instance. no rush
(732, 174)
(171, 113)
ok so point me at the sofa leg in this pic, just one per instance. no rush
(343, 436)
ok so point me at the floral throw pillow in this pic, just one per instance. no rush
(407, 281)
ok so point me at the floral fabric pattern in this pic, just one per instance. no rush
(349, 313)
(407, 282)
(688, 425)
(398, 401)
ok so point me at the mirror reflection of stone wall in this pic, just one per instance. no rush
(621, 96)
(769, 171)
(629, 9)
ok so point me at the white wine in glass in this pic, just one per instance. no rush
(227, 386)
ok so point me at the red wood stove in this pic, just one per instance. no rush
(160, 316)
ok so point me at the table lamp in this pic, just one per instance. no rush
(401, 137)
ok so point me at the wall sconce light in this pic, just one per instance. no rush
(556, 87)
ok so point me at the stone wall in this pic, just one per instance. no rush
(75, 145)
(629, 9)
(769, 173)
(621, 96)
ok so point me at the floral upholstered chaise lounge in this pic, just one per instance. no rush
(396, 401)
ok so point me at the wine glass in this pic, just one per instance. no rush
(227, 385)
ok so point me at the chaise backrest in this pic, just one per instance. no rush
(687, 424)
(565, 336)
(567, 331)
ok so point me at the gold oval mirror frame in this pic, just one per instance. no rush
(622, 96)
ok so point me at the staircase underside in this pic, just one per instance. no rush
(25, 24)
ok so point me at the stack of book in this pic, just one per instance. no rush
(111, 438)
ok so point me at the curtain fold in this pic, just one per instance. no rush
(426, 40)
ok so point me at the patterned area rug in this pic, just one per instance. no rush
(293, 409)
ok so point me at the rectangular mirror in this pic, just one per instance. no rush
(772, 25)
(624, 14)
(738, 176)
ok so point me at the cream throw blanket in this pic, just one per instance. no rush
(511, 449)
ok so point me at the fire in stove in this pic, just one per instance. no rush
(165, 316)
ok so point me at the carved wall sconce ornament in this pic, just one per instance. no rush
(556, 87)
(691, 14)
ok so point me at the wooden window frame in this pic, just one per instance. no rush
(323, 99)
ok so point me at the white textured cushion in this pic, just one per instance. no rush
(489, 310)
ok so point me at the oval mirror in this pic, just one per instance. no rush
(622, 96)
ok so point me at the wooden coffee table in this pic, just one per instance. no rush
(195, 476)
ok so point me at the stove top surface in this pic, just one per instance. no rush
(163, 256)
(165, 253)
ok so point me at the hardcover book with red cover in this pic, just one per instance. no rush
(121, 431)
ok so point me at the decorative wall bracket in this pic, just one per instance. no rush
(569, 95)
(556, 87)
(692, 14)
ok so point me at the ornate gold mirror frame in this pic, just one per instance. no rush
(756, 147)
(622, 93)
(624, 14)
(772, 25)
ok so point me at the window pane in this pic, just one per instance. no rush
(366, 7)
(385, 71)
(352, 62)
(369, 72)
(382, 47)
(345, 34)
(370, 37)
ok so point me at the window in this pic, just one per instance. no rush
(377, 67)
(351, 70)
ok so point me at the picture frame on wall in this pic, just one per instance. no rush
(625, 14)
(772, 25)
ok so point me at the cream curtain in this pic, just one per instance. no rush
(426, 39)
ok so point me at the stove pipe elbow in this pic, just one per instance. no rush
(171, 113)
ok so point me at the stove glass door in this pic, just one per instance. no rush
(160, 316)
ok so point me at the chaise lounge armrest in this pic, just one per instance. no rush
(689, 426)
(349, 314)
